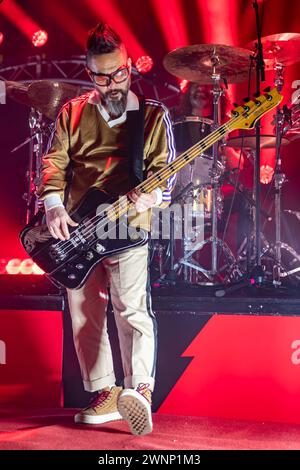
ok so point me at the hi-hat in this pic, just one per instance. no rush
(47, 96)
(17, 91)
(279, 48)
(197, 63)
(249, 141)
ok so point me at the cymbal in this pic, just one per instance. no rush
(47, 96)
(17, 91)
(249, 141)
(196, 63)
(279, 48)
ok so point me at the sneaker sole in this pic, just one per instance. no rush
(136, 411)
(89, 419)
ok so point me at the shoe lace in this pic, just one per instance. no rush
(100, 398)
(142, 387)
(145, 391)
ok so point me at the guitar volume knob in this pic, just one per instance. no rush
(89, 255)
(72, 276)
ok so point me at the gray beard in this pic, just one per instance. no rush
(115, 108)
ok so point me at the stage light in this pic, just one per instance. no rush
(26, 266)
(219, 21)
(13, 266)
(170, 15)
(144, 64)
(1, 38)
(17, 266)
(37, 270)
(183, 85)
(39, 38)
(19, 18)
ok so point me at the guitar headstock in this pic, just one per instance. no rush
(246, 116)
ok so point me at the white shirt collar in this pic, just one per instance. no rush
(132, 105)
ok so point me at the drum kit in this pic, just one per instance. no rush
(45, 98)
(217, 65)
(213, 65)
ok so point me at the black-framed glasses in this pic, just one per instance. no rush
(104, 79)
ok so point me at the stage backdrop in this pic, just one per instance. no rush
(233, 366)
(30, 358)
(241, 367)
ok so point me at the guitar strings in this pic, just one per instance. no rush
(151, 183)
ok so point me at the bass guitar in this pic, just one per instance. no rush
(70, 262)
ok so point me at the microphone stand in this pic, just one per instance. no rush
(256, 275)
(257, 272)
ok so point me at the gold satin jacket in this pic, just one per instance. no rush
(85, 152)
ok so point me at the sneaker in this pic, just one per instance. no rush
(102, 409)
(134, 406)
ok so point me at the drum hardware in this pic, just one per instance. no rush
(200, 63)
(209, 64)
(46, 129)
(244, 141)
(45, 98)
(33, 174)
(271, 52)
(279, 50)
(282, 123)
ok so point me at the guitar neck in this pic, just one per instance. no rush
(187, 157)
(122, 205)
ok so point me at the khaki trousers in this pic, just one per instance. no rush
(127, 276)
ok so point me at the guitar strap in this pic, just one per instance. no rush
(135, 143)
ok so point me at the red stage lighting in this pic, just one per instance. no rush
(39, 38)
(144, 64)
(183, 85)
(18, 266)
(13, 266)
(110, 12)
(1, 38)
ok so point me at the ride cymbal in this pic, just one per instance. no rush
(198, 63)
(279, 48)
(249, 141)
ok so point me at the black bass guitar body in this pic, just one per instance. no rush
(70, 262)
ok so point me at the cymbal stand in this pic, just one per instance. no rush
(231, 266)
(279, 179)
(217, 93)
(33, 174)
(246, 251)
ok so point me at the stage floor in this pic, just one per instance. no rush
(36, 292)
(54, 429)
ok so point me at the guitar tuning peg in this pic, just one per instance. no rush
(266, 90)
(235, 105)
(256, 95)
(246, 99)
(269, 97)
